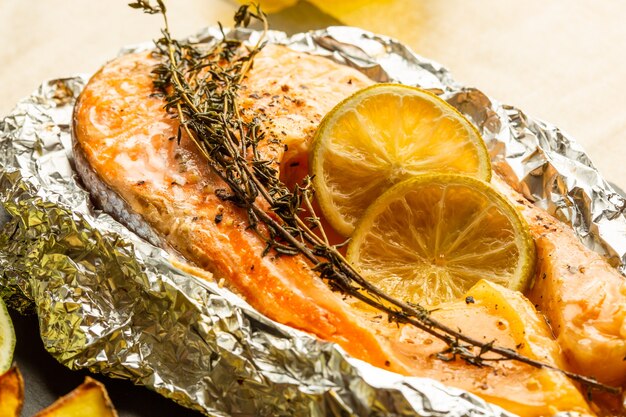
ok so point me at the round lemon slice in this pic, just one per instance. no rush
(430, 238)
(7, 338)
(382, 135)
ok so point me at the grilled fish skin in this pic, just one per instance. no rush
(166, 193)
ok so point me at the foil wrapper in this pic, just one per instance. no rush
(112, 303)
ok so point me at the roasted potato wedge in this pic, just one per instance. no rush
(11, 393)
(90, 399)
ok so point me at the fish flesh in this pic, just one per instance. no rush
(127, 156)
(581, 294)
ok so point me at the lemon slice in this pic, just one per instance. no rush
(430, 238)
(382, 135)
(272, 6)
(7, 338)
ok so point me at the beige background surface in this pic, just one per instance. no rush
(563, 61)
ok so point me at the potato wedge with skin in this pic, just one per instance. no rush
(89, 399)
(11, 393)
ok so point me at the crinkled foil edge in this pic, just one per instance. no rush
(109, 302)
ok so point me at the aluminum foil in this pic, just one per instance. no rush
(109, 302)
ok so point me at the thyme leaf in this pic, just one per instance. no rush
(149, 8)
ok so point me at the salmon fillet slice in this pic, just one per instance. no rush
(164, 191)
(123, 135)
(582, 296)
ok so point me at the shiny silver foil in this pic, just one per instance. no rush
(112, 303)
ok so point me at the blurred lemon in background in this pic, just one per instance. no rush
(346, 8)
(333, 8)
(272, 6)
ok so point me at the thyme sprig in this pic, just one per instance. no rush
(200, 86)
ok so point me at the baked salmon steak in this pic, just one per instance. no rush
(127, 156)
